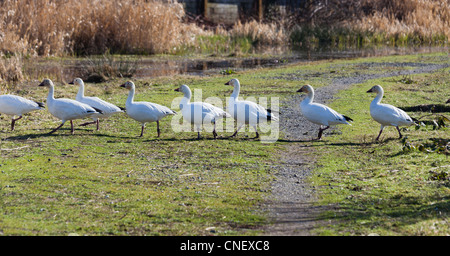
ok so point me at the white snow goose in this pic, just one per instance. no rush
(387, 115)
(320, 114)
(144, 112)
(246, 112)
(199, 113)
(107, 108)
(66, 109)
(13, 105)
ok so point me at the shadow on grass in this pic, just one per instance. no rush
(297, 141)
(365, 143)
(63, 132)
(432, 108)
(193, 138)
(391, 214)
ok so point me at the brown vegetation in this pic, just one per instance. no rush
(86, 27)
(265, 33)
(424, 18)
(91, 27)
(10, 70)
(81, 27)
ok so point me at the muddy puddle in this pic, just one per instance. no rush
(147, 67)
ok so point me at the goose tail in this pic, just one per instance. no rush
(348, 119)
(270, 116)
(415, 121)
(40, 104)
(270, 111)
(97, 109)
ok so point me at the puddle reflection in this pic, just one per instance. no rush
(148, 67)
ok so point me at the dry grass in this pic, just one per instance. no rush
(425, 20)
(421, 18)
(269, 34)
(10, 71)
(51, 27)
(83, 27)
(86, 27)
(242, 38)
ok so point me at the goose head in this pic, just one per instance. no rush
(183, 88)
(128, 85)
(306, 88)
(47, 83)
(233, 82)
(77, 81)
(376, 89)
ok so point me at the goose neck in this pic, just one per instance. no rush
(80, 93)
(51, 94)
(236, 90)
(130, 98)
(185, 100)
(378, 98)
(309, 97)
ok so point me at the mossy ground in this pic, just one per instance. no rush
(111, 182)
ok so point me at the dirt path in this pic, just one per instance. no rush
(291, 204)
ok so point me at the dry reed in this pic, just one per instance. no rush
(10, 71)
(269, 34)
(84, 27)
(50, 27)
(423, 19)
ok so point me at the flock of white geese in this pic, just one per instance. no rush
(196, 113)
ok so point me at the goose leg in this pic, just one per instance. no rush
(214, 131)
(321, 132)
(399, 133)
(381, 130)
(57, 128)
(142, 131)
(235, 133)
(13, 122)
(88, 123)
(198, 133)
(71, 127)
(157, 128)
(257, 134)
(93, 122)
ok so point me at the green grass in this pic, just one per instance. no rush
(378, 186)
(115, 184)
(111, 182)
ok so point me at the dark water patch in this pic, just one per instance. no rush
(148, 67)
